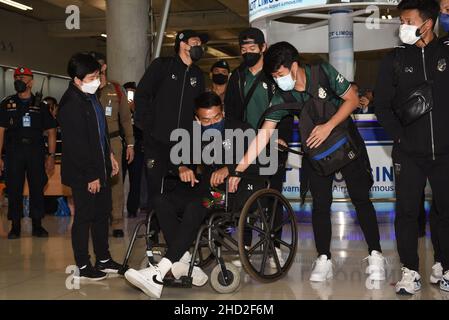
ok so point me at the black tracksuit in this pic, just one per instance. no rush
(421, 149)
(164, 102)
(84, 160)
(186, 201)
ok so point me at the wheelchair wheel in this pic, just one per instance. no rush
(267, 235)
(218, 282)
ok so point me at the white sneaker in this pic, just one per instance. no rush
(437, 273)
(410, 282)
(444, 283)
(148, 280)
(322, 269)
(199, 278)
(281, 260)
(376, 267)
(186, 258)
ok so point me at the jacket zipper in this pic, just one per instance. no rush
(99, 135)
(182, 95)
(431, 113)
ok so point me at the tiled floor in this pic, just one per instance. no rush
(33, 268)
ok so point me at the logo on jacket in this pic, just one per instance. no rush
(322, 94)
(408, 70)
(265, 85)
(193, 81)
(174, 77)
(441, 66)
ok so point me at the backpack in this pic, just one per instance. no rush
(340, 148)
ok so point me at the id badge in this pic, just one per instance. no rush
(108, 111)
(26, 121)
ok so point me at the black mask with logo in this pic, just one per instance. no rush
(219, 78)
(251, 58)
(20, 86)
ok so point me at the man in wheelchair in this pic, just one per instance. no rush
(188, 199)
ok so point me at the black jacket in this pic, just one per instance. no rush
(165, 97)
(428, 136)
(234, 101)
(83, 160)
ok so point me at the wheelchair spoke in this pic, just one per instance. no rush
(290, 246)
(252, 227)
(257, 245)
(278, 228)
(273, 213)
(264, 258)
(275, 256)
(261, 210)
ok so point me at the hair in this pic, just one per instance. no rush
(98, 56)
(130, 85)
(207, 100)
(278, 55)
(82, 64)
(428, 9)
(51, 99)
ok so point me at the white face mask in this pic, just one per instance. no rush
(286, 83)
(91, 87)
(410, 34)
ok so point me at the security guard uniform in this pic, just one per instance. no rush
(24, 124)
(119, 117)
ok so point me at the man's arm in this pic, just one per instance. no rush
(125, 117)
(146, 91)
(2, 136)
(384, 94)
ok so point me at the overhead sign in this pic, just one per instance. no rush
(263, 8)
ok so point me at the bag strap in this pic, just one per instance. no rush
(288, 106)
(250, 93)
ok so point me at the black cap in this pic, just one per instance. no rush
(185, 35)
(251, 36)
(221, 64)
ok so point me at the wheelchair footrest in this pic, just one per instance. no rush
(183, 282)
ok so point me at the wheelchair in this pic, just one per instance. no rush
(253, 223)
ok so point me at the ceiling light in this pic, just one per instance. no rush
(384, 18)
(389, 17)
(104, 35)
(15, 4)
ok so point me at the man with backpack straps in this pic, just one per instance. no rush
(282, 62)
(248, 95)
(421, 139)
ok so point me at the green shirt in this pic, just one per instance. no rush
(259, 101)
(337, 83)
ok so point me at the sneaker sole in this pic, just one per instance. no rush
(377, 277)
(315, 279)
(89, 279)
(404, 292)
(138, 281)
(178, 276)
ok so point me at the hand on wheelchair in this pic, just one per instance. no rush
(233, 184)
(187, 175)
(219, 177)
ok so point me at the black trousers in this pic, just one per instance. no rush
(92, 213)
(411, 175)
(433, 227)
(135, 169)
(180, 214)
(358, 182)
(25, 161)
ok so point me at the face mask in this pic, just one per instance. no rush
(217, 126)
(410, 34)
(219, 79)
(20, 86)
(251, 59)
(196, 53)
(286, 83)
(444, 20)
(91, 87)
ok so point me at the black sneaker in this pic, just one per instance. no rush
(40, 232)
(109, 266)
(91, 274)
(118, 233)
(14, 233)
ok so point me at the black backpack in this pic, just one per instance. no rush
(340, 148)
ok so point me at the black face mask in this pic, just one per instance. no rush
(20, 86)
(196, 53)
(219, 78)
(251, 58)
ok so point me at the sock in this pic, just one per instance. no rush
(164, 266)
